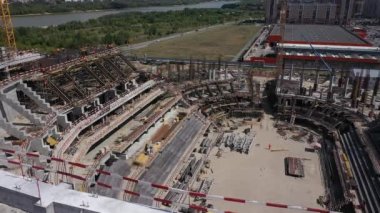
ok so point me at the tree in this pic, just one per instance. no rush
(108, 39)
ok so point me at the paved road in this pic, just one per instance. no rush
(163, 165)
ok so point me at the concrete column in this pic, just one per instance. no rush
(169, 70)
(78, 111)
(225, 71)
(302, 77)
(341, 78)
(375, 89)
(330, 94)
(354, 92)
(291, 72)
(178, 73)
(316, 79)
(346, 82)
(365, 85)
(63, 121)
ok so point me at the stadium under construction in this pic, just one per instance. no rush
(102, 132)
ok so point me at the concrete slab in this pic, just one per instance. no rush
(163, 165)
(260, 175)
(23, 194)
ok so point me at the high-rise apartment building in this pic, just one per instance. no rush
(316, 11)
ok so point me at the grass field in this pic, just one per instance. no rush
(225, 41)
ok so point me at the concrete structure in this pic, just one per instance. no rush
(315, 11)
(371, 9)
(340, 47)
(372, 74)
(30, 196)
(86, 121)
(338, 104)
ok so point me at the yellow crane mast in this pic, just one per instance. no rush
(7, 26)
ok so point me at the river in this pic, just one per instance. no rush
(56, 19)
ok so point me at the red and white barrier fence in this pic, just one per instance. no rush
(151, 184)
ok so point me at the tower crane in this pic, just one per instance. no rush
(7, 27)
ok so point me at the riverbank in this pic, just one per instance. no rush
(35, 7)
(54, 19)
(63, 13)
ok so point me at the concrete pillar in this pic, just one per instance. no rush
(225, 71)
(291, 72)
(282, 72)
(63, 121)
(78, 111)
(190, 68)
(302, 77)
(169, 70)
(178, 73)
(316, 79)
(340, 82)
(365, 86)
(354, 92)
(375, 89)
(330, 94)
(346, 82)
(239, 73)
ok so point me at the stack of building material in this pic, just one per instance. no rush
(294, 167)
(205, 145)
(238, 142)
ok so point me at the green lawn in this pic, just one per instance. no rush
(225, 41)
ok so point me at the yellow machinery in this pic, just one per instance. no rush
(7, 26)
(51, 141)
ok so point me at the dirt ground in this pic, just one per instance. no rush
(260, 175)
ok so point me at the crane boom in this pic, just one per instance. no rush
(7, 26)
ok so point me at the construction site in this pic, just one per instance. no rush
(293, 127)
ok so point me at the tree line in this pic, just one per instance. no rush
(124, 28)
